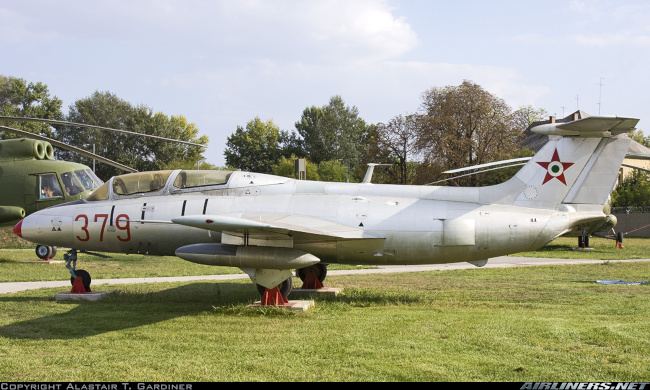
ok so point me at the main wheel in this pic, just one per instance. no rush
(285, 288)
(320, 269)
(44, 252)
(85, 278)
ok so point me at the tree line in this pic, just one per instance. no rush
(454, 126)
(22, 99)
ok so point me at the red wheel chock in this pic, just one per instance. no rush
(272, 297)
(78, 287)
(311, 281)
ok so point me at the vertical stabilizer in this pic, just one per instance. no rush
(579, 165)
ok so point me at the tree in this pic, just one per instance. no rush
(640, 137)
(286, 166)
(255, 148)
(18, 98)
(634, 190)
(527, 115)
(463, 126)
(399, 136)
(141, 153)
(332, 170)
(333, 132)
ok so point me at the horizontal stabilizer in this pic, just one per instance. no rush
(593, 126)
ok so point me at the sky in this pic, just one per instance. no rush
(221, 63)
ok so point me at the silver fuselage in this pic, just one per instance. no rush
(394, 224)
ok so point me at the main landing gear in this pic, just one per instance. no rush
(312, 278)
(276, 296)
(45, 253)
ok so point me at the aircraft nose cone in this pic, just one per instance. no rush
(18, 229)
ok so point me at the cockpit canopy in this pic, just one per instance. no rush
(155, 181)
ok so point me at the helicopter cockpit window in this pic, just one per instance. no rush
(190, 179)
(86, 179)
(97, 180)
(140, 182)
(49, 186)
(71, 184)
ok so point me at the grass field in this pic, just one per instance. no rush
(549, 323)
(546, 323)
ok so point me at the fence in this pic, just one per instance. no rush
(633, 221)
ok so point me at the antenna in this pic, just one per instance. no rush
(600, 93)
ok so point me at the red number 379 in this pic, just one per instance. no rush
(121, 223)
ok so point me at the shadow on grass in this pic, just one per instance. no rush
(123, 310)
(139, 306)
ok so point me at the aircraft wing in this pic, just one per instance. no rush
(269, 226)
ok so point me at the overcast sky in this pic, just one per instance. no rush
(222, 63)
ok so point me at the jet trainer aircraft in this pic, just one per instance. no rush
(269, 225)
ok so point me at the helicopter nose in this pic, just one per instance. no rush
(18, 229)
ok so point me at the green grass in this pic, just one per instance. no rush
(603, 249)
(521, 324)
(22, 264)
(545, 323)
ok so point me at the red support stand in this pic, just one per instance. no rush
(78, 287)
(272, 297)
(311, 281)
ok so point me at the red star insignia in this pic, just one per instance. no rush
(555, 168)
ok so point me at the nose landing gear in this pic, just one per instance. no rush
(79, 278)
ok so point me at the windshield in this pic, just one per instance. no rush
(190, 179)
(140, 182)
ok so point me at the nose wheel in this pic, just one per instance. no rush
(79, 278)
(85, 279)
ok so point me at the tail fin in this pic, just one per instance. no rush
(579, 165)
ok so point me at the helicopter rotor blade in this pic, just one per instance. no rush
(57, 122)
(63, 145)
(474, 173)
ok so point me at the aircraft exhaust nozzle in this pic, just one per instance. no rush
(246, 256)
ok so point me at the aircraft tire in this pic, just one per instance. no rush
(85, 278)
(321, 272)
(44, 252)
(285, 288)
